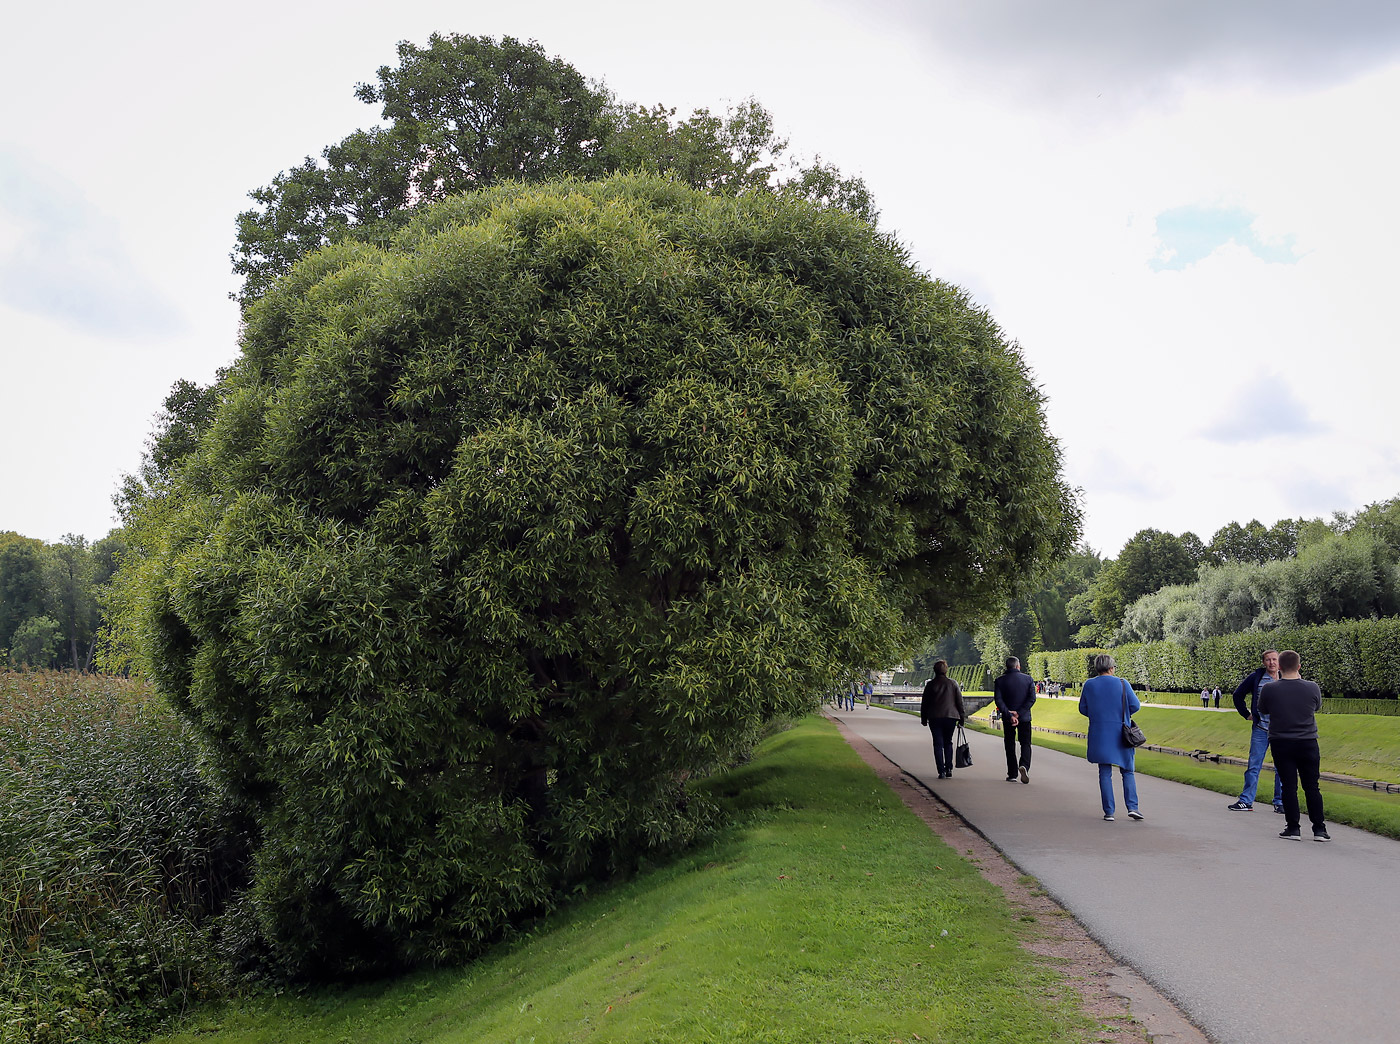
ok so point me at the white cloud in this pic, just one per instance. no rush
(60, 257)
(1262, 409)
(1136, 53)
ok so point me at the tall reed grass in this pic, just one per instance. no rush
(115, 855)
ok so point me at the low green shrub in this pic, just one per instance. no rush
(115, 854)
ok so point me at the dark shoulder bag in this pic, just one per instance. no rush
(1132, 735)
(962, 758)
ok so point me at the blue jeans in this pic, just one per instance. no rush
(1258, 747)
(1106, 788)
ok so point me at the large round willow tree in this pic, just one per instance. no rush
(506, 529)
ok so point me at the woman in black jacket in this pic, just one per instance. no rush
(941, 710)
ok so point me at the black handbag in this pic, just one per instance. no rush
(962, 757)
(1132, 735)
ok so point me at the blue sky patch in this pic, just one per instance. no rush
(1192, 233)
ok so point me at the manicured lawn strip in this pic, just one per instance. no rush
(1377, 812)
(1364, 745)
(818, 916)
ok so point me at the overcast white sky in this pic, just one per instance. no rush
(1184, 211)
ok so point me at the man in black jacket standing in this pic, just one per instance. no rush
(1014, 694)
(1290, 705)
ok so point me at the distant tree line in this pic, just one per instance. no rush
(51, 598)
(1165, 587)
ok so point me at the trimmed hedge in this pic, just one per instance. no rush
(1066, 665)
(1353, 658)
(970, 677)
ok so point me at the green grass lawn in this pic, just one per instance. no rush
(826, 913)
(1365, 745)
(1353, 744)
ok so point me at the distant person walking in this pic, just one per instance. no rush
(867, 690)
(941, 710)
(1109, 702)
(1205, 699)
(1290, 705)
(1014, 695)
(1215, 692)
(1247, 703)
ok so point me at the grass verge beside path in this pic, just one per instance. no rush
(1354, 744)
(819, 916)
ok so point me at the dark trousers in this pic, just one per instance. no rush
(942, 729)
(1296, 759)
(1011, 733)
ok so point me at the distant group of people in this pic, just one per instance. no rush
(1280, 704)
(846, 699)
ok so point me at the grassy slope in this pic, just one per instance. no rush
(1354, 744)
(817, 917)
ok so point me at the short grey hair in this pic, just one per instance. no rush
(1103, 663)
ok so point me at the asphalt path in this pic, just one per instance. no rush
(1255, 938)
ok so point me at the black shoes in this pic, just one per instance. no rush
(1291, 834)
(1322, 835)
(1025, 774)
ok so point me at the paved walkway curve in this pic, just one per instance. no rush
(1255, 938)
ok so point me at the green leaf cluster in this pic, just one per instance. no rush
(506, 530)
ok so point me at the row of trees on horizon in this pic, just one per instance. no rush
(1161, 586)
(1178, 588)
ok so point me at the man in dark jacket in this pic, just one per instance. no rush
(1247, 703)
(1014, 695)
(1291, 705)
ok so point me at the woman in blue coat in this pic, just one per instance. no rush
(1101, 701)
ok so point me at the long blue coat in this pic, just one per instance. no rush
(1101, 701)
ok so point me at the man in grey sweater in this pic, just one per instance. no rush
(1291, 705)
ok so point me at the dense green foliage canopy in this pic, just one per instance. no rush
(505, 530)
(464, 113)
